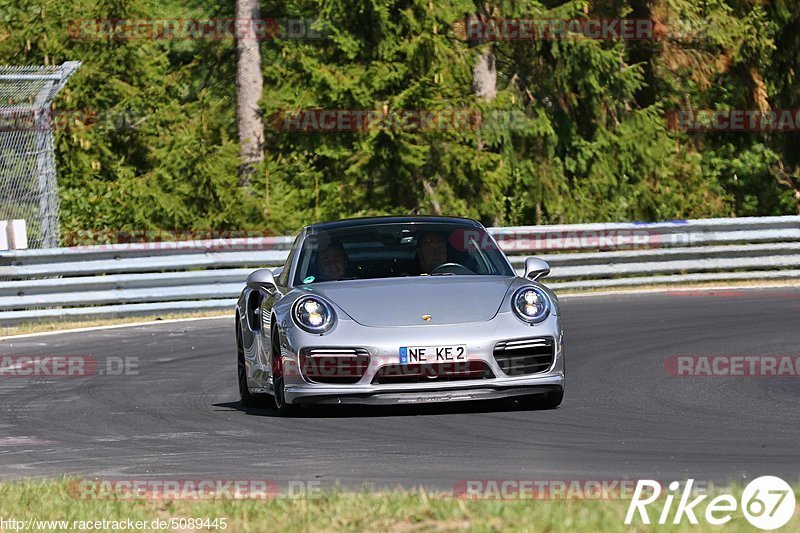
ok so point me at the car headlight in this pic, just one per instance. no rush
(313, 314)
(531, 304)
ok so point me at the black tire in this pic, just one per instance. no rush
(283, 408)
(247, 398)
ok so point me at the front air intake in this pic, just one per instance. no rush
(525, 356)
(334, 365)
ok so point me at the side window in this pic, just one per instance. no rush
(253, 305)
(283, 279)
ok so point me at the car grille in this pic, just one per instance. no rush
(525, 356)
(334, 365)
(427, 373)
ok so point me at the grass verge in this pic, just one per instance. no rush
(396, 511)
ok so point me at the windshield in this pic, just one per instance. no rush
(399, 250)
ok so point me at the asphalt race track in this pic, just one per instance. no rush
(624, 415)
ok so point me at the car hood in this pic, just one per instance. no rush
(404, 301)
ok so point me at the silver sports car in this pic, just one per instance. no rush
(393, 310)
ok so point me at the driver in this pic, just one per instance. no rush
(332, 262)
(431, 252)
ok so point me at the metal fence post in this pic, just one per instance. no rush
(28, 185)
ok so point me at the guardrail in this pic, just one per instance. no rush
(170, 277)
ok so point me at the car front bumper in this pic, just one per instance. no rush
(383, 345)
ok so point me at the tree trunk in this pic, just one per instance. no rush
(249, 86)
(643, 51)
(437, 207)
(484, 76)
(484, 85)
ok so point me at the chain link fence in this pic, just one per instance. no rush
(28, 187)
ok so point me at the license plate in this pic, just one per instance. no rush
(432, 354)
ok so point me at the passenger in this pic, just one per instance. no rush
(332, 262)
(431, 252)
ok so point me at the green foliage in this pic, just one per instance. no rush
(164, 152)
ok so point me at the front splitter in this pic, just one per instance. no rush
(426, 397)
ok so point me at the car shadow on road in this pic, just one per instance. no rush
(377, 411)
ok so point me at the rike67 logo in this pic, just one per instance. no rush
(767, 502)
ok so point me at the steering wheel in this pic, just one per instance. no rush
(451, 268)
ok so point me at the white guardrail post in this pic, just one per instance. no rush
(13, 235)
(167, 277)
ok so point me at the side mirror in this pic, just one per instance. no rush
(536, 268)
(262, 279)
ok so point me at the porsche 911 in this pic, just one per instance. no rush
(398, 310)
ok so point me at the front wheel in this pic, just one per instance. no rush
(283, 408)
